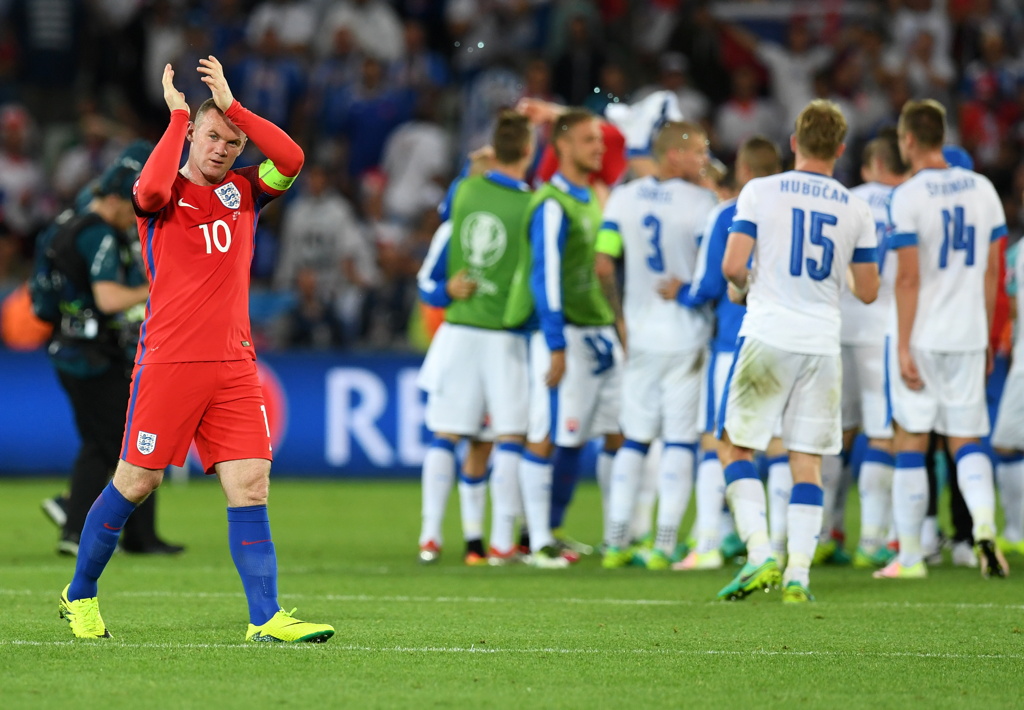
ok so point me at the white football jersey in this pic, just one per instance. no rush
(808, 228)
(660, 223)
(952, 215)
(868, 323)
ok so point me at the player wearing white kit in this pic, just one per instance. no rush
(757, 157)
(804, 229)
(575, 353)
(943, 220)
(1008, 434)
(864, 329)
(656, 222)
(475, 368)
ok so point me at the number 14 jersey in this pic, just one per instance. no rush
(198, 250)
(951, 216)
(808, 228)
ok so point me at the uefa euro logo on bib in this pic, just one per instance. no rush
(229, 195)
(483, 239)
(146, 443)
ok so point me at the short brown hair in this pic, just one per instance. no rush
(926, 121)
(676, 134)
(760, 155)
(512, 136)
(204, 107)
(886, 148)
(820, 129)
(567, 120)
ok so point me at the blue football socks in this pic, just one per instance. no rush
(99, 540)
(252, 549)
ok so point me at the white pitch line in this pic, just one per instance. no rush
(599, 601)
(518, 651)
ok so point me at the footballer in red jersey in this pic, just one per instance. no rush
(195, 371)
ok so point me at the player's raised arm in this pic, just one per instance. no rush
(284, 156)
(154, 187)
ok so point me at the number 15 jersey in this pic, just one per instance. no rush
(198, 250)
(951, 216)
(808, 228)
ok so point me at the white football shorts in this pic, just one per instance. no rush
(767, 383)
(475, 376)
(865, 405)
(661, 396)
(586, 403)
(952, 401)
(713, 380)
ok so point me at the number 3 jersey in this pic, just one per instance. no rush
(808, 228)
(658, 224)
(951, 215)
(198, 250)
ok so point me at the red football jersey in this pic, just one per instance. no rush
(198, 249)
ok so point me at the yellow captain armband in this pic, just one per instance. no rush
(609, 241)
(272, 177)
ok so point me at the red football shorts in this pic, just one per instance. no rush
(218, 404)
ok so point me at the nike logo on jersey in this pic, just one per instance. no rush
(182, 203)
(109, 527)
(253, 542)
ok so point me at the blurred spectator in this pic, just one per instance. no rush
(225, 22)
(612, 87)
(420, 68)
(488, 31)
(96, 148)
(417, 161)
(24, 204)
(373, 23)
(744, 115)
(269, 81)
(491, 90)
(576, 71)
(912, 17)
(993, 66)
(929, 73)
(698, 36)
(319, 233)
(312, 322)
(366, 115)
(293, 21)
(673, 77)
(49, 43)
(791, 68)
(164, 42)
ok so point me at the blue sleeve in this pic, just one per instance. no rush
(432, 279)
(549, 228)
(710, 284)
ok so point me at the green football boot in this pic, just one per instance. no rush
(658, 561)
(751, 579)
(863, 559)
(796, 593)
(617, 557)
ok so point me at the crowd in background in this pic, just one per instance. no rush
(387, 97)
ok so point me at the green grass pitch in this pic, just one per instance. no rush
(448, 636)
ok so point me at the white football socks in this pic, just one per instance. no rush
(675, 483)
(831, 478)
(1010, 476)
(506, 501)
(647, 493)
(472, 506)
(627, 469)
(910, 503)
(710, 488)
(605, 462)
(974, 476)
(780, 488)
(747, 500)
(535, 484)
(804, 524)
(876, 476)
(438, 477)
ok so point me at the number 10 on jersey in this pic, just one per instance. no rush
(217, 235)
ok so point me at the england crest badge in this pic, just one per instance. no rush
(229, 195)
(146, 443)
